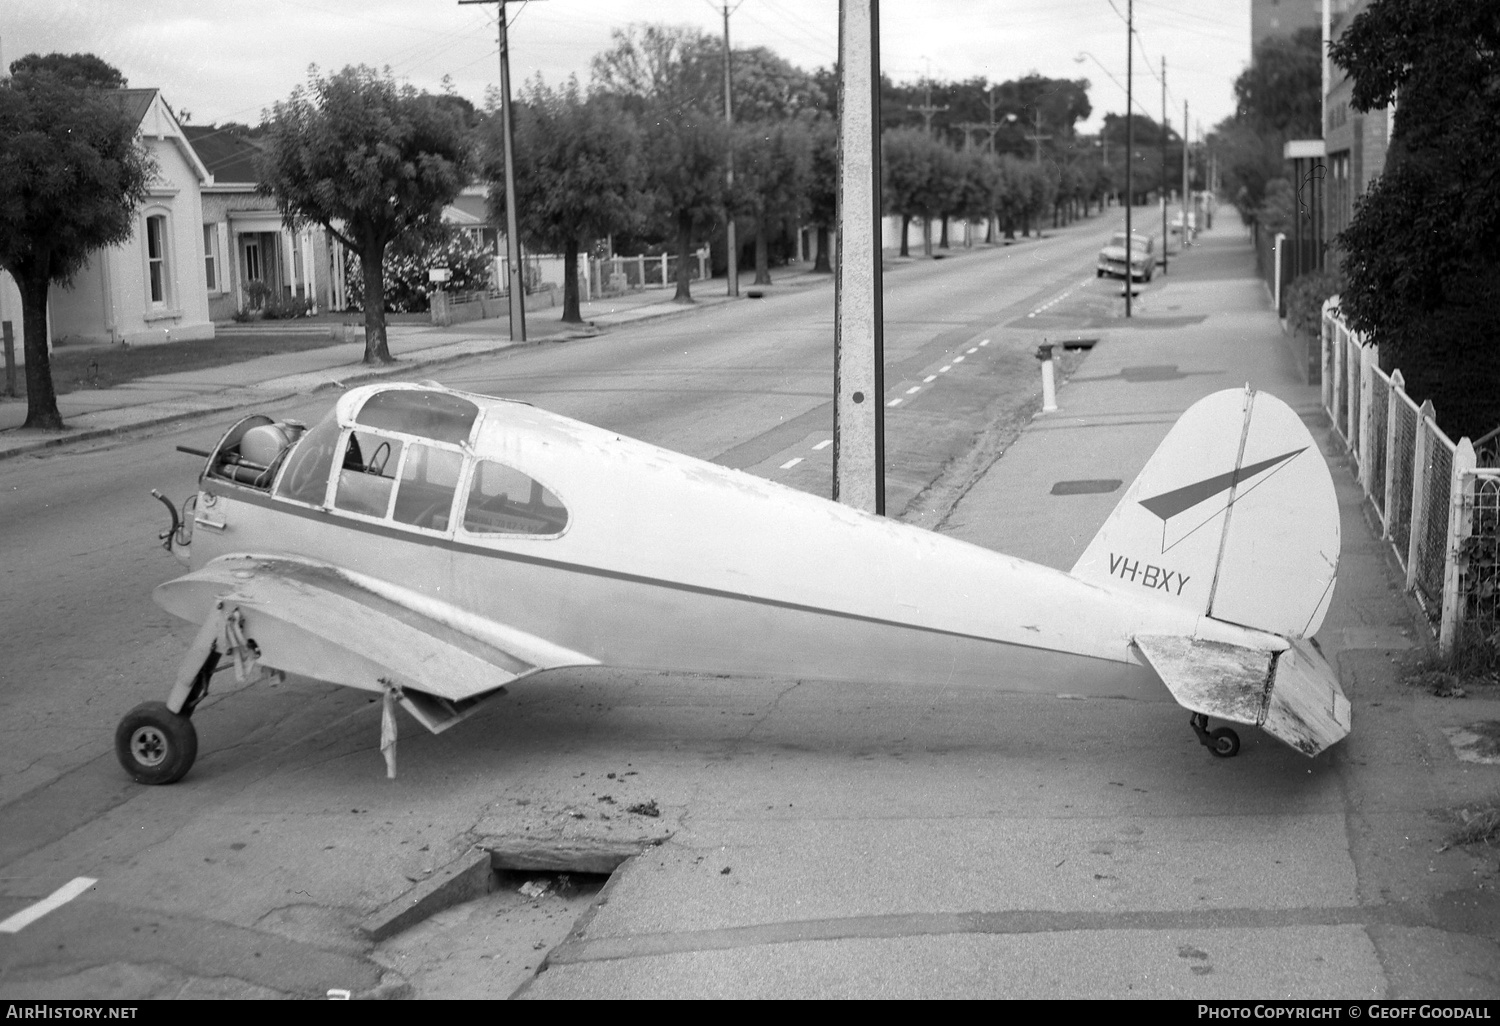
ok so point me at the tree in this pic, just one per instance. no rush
(822, 187)
(663, 76)
(577, 170)
(369, 161)
(907, 156)
(72, 176)
(1278, 97)
(771, 177)
(1422, 254)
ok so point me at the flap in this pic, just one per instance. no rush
(339, 626)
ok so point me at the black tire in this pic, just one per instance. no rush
(156, 745)
(1226, 743)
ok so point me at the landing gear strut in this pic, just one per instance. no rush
(1223, 743)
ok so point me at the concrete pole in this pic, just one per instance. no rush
(858, 340)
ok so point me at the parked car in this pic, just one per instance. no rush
(1142, 257)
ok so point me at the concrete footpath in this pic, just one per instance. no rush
(1021, 846)
(162, 398)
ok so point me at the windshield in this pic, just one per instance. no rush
(304, 475)
(435, 415)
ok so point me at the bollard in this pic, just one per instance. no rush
(1049, 383)
(10, 357)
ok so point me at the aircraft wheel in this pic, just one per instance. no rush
(156, 745)
(1224, 743)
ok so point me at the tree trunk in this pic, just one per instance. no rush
(41, 397)
(943, 240)
(926, 234)
(372, 263)
(762, 252)
(905, 227)
(684, 240)
(571, 313)
(821, 265)
(1010, 225)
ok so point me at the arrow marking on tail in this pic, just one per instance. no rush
(1168, 504)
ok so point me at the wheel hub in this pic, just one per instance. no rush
(149, 746)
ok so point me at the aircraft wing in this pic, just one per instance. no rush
(1294, 693)
(340, 626)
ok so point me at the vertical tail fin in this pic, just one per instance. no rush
(1234, 516)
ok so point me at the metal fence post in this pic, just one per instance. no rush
(1392, 405)
(1420, 467)
(1460, 517)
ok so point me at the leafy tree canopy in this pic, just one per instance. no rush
(72, 176)
(1422, 255)
(79, 69)
(368, 160)
(577, 169)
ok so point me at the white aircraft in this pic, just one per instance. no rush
(433, 546)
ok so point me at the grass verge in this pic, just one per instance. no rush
(75, 368)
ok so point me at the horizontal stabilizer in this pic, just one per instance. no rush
(1293, 694)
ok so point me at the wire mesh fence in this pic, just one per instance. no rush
(1432, 548)
(1441, 516)
(1479, 552)
(1403, 435)
(1374, 456)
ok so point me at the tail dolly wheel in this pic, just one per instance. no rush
(1223, 743)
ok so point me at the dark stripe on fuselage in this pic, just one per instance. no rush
(258, 498)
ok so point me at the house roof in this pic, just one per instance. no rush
(229, 156)
(135, 101)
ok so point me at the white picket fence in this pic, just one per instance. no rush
(599, 276)
(1438, 509)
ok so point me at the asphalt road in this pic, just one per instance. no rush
(252, 876)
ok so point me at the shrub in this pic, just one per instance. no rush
(1305, 298)
(407, 263)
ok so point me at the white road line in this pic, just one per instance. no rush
(894, 402)
(945, 370)
(929, 379)
(789, 464)
(974, 349)
(913, 389)
(958, 359)
(825, 443)
(985, 342)
(57, 899)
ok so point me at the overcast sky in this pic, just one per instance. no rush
(228, 61)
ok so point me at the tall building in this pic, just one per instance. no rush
(1282, 17)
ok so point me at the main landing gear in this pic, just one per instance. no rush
(157, 745)
(1223, 742)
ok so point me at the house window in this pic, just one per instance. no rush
(156, 257)
(211, 256)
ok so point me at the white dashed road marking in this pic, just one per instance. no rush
(929, 379)
(894, 402)
(825, 443)
(789, 464)
(913, 389)
(57, 899)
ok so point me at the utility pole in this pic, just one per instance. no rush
(515, 284)
(1129, 142)
(858, 320)
(927, 110)
(731, 247)
(1185, 181)
(1165, 237)
(1037, 136)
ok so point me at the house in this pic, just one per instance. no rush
(250, 258)
(1354, 144)
(149, 288)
